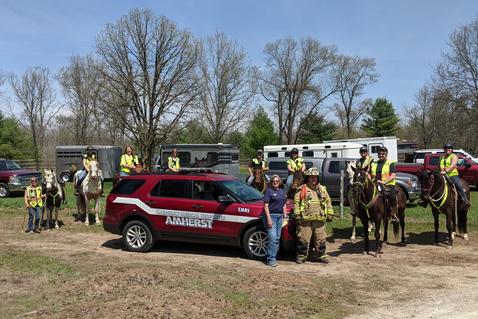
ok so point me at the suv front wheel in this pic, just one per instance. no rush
(254, 242)
(137, 236)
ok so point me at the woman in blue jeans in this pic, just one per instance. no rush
(274, 212)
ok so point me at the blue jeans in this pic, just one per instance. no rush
(33, 216)
(288, 182)
(457, 181)
(273, 237)
(124, 174)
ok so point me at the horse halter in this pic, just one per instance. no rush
(431, 197)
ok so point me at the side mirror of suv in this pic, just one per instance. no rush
(226, 200)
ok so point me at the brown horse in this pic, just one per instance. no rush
(259, 181)
(297, 180)
(372, 206)
(443, 199)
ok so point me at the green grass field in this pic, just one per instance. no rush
(417, 218)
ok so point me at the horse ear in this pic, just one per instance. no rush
(46, 171)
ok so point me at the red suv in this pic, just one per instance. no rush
(189, 207)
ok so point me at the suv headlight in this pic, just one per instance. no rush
(14, 179)
(414, 184)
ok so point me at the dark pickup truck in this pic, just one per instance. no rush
(467, 169)
(330, 175)
(13, 178)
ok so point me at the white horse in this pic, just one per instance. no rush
(352, 201)
(90, 189)
(54, 196)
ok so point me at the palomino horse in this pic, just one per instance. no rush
(90, 189)
(372, 207)
(443, 199)
(259, 180)
(54, 196)
(297, 180)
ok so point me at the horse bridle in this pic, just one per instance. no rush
(431, 186)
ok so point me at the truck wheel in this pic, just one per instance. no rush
(65, 176)
(137, 236)
(4, 192)
(254, 242)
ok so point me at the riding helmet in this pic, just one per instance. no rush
(383, 149)
(313, 171)
(447, 145)
(363, 149)
(294, 151)
(259, 152)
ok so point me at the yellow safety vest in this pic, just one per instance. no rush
(368, 160)
(296, 164)
(256, 162)
(385, 171)
(173, 162)
(312, 205)
(128, 160)
(34, 196)
(446, 162)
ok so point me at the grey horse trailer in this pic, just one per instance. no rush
(69, 159)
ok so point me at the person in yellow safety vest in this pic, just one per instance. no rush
(128, 162)
(294, 164)
(312, 207)
(364, 162)
(33, 202)
(448, 167)
(383, 172)
(257, 162)
(173, 162)
(86, 158)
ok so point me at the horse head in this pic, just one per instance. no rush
(258, 175)
(359, 182)
(94, 170)
(350, 171)
(430, 181)
(50, 179)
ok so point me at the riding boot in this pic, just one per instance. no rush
(393, 214)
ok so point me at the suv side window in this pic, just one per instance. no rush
(336, 166)
(127, 186)
(172, 188)
(206, 190)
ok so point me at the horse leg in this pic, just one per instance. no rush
(56, 217)
(402, 225)
(377, 237)
(436, 223)
(48, 217)
(87, 211)
(385, 230)
(365, 235)
(449, 227)
(463, 223)
(97, 210)
(354, 224)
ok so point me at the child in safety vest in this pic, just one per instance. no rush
(33, 202)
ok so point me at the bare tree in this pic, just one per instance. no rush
(296, 80)
(82, 85)
(227, 91)
(150, 68)
(33, 91)
(352, 74)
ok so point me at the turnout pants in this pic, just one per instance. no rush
(310, 233)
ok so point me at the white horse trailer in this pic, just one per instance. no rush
(69, 157)
(323, 150)
(374, 143)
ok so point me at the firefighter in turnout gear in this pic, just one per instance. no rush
(33, 202)
(173, 162)
(384, 174)
(448, 167)
(257, 162)
(312, 208)
(294, 164)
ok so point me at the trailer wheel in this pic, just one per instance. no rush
(65, 176)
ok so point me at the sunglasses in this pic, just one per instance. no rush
(382, 154)
(276, 181)
(33, 180)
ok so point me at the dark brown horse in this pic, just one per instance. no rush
(372, 206)
(297, 180)
(259, 181)
(443, 199)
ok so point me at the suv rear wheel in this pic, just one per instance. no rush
(4, 192)
(137, 236)
(254, 242)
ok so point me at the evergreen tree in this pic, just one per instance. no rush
(315, 129)
(15, 141)
(259, 133)
(381, 119)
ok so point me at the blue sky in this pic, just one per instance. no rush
(405, 37)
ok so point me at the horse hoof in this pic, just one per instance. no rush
(465, 236)
(384, 243)
(364, 253)
(449, 246)
(453, 235)
(56, 226)
(98, 222)
(352, 238)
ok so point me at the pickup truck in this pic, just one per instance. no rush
(13, 178)
(467, 169)
(330, 175)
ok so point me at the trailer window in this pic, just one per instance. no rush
(184, 158)
(272, 154)
(308, 154)
(375, 148)
(235, 157)
(212, 158)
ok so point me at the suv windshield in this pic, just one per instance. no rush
(245, 192)
(8, 165)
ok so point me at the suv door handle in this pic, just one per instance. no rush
(197, 206)
(150, 202)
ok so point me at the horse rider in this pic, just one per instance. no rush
(128, 162)
(257, 162)
(312, 207)
(294, 164)
(383, 172)
(33, 202)
(364, 162)
(448, 167)
(86, 159)
(173, 162)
